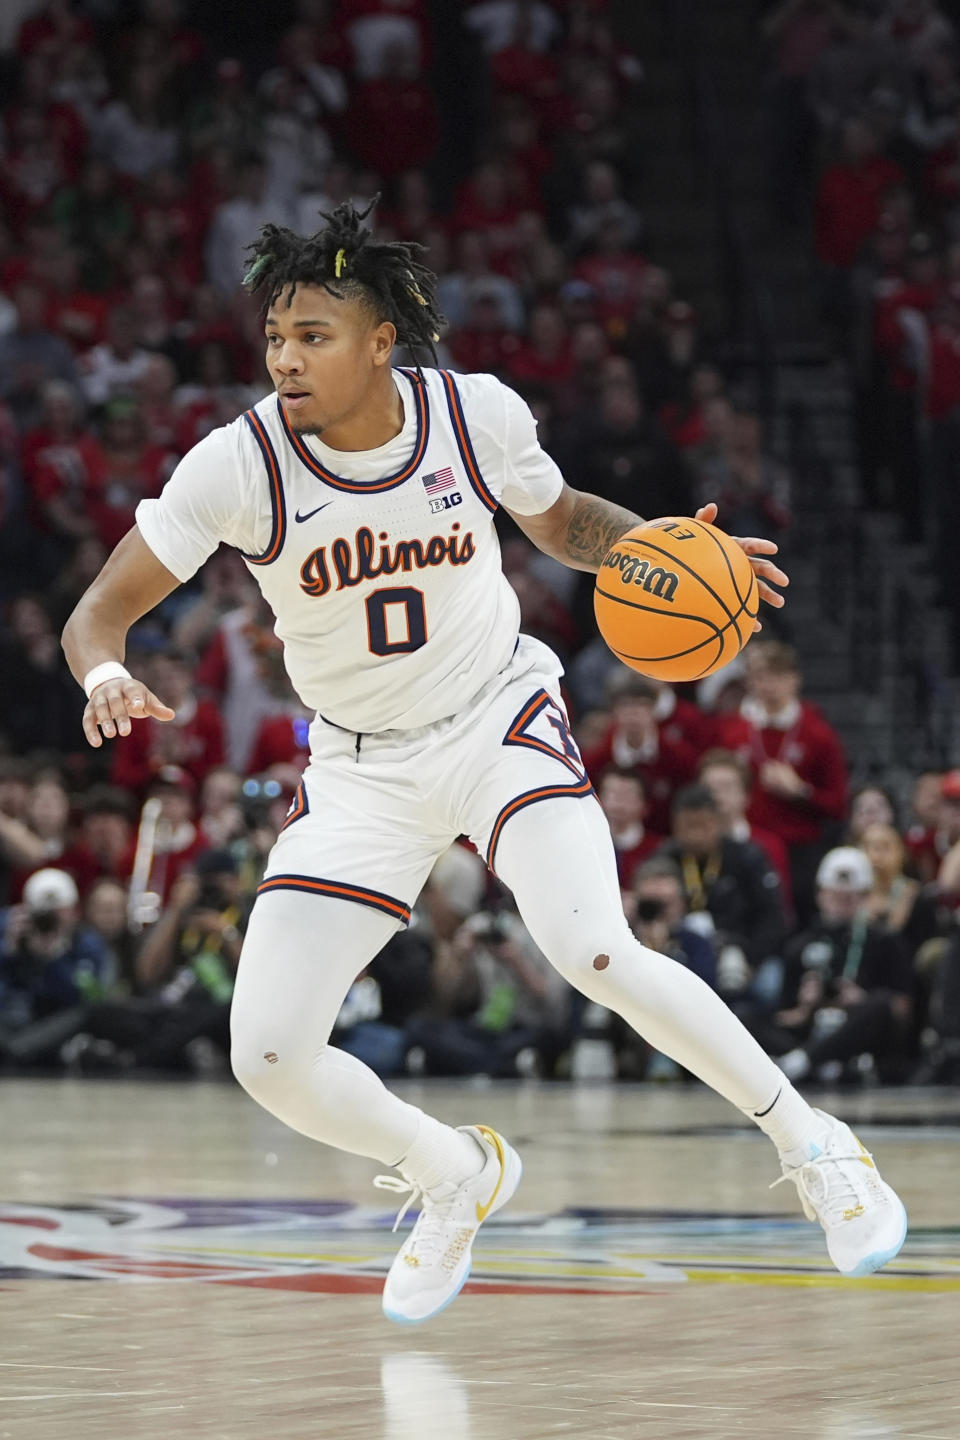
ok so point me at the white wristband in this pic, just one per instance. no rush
(109, 670)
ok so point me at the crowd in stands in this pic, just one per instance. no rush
(865, 118)
(140, 149)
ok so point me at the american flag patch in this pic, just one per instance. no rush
(438, 482)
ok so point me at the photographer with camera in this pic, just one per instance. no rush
(184, 974)
(848, 982)
(51, 966)
(494, 999)
(657, 911)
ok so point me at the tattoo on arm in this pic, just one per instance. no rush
(594, 526)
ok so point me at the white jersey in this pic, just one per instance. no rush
(382, 567)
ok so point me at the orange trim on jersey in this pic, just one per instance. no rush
(369, 487)
(517, 736)
(547, 792)
(299, 807)
(337, 890)
(463, 441)
(277, 502)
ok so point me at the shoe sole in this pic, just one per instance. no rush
(879, 1258)
(512, 1175)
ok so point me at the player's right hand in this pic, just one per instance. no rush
(115, 703)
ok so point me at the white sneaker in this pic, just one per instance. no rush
(864, 1220)
(434, 1261)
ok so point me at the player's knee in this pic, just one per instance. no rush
(259, 1063)
(588, 964)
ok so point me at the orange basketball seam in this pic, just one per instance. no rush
(720, 631)
(711, 534)
(668, 614)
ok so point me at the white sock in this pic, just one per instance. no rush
(789, 1121)
(440, 1154)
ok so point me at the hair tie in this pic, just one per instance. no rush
(339, 263)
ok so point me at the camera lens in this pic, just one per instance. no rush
(650, 909)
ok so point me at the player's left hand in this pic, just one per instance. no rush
(755, 549)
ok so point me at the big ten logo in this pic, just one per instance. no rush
(445, 502)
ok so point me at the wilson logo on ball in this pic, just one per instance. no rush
(652, 578)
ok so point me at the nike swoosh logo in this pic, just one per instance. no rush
(310, 513)
(484, 1210)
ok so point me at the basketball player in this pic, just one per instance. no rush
(362, 498)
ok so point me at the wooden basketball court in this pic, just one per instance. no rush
(175, 1263)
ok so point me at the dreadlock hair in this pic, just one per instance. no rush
(345, 260)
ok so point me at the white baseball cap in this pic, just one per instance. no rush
(845, 868)
(50, 889)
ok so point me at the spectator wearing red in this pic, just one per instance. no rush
(53, 30)
(484, 344)
(519, 140)
(684, 419)
(801, 785)
(545, 358)
(635, 741)
(130, 470)
(412, 214)
(282, 740)
(727, 776)
(926, 815)
(942, 392)
(233, 671)
(849, 195)
(192, 741)
(615, 272)
(60, 459)
(937, 829)
(73, 311)
(107, 840)
(37, 161)
(162, 419)
(391, 123)
(623, 800)
(682, 720)
(485, 202)
(178, 839)
(521, 67)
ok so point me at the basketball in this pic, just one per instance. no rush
(676, 599)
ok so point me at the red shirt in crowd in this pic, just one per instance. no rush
(281, 740)
(943, 380)
(894, 296)
(194, 743)
(663, 768)
(848, 206)
(617, 281)
(60, 468)
(630, 856)
(392, 125)
(812, 748)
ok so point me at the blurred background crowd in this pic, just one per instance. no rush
(789, 828)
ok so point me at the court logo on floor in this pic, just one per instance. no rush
(333, 1247)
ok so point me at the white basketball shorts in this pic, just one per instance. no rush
(373, 812)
